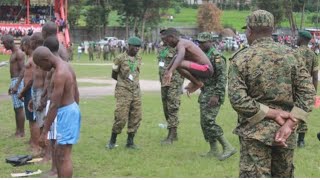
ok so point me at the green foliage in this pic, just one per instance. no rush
(274, 6)
(73, 15)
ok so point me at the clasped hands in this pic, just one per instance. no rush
(288, 124)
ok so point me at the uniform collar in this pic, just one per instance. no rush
(263, 39)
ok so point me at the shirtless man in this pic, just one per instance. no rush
(53, 44)
(16, 69)
(190, 61)
(25, 94)
(64, 105)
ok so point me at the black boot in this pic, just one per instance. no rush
(318, 135)
(301, 140)
(112, 142)
(172, 136)
(130, 144)
(214, 152)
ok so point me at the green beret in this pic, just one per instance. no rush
(135, 41)
(204, 36)
(305, 34)
(260, 18)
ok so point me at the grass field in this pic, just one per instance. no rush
(188, 18)
(91, 159)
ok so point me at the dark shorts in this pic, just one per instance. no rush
(27, 98)
(200, 70)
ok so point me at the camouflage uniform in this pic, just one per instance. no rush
(267, 75)
(214, 86)
(170, 95)
(127, 94)
(311, 61)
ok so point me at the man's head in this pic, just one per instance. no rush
(36, 40)
(259, 23)
(42, 57)
(134, 45)
(49, 29)
(25, 44)
(170, 36)
(8, 42)
(205, 41)
(304, 38)
(52, 43)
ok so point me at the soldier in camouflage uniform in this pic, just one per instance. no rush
(126, 70)
(211, 98)
(170, 95)
(272, 91)
(311, 60)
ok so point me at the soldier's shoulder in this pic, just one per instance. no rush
(238, 52)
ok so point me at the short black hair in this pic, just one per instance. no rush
(170, 32)
(38, 39)
(50, 28)
(52, 43)
(8, 38)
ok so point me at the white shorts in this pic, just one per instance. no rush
(52, 134)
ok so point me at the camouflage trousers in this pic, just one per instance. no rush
(258, 160)
(211, 130)
(128, 109)
(302, 127)
(171, 103)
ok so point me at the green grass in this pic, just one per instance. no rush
(87, 84)
(91, 159)
(188, 18)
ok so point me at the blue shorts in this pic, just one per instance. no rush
(27, 98)
(17, 103)
(68, 124)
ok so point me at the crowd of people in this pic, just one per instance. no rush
(271, 86)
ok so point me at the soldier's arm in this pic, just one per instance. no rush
(315, 72)
(304, 91)
(115, 68)
(20, 63)
(220, 68)
(246, 106)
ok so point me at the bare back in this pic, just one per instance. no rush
(192, 52)
(16, 63)
(63, 53)
(64, 84)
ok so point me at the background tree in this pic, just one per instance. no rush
(273, 6)
(209, 18)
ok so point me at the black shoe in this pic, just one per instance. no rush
(130, 144)
(301, 144)
(112, 142)
(318, 135)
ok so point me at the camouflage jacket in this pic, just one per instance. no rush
(165, 55)
(309, 58)
(215, 85)
(128, 77)
(268, 75)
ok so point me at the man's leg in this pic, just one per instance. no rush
(173, 105)
(134, 121)
(64, 162)
(301, 130)
(211, 131)
(195, 83)
(121, 115)
(255, 159)
(282, 163)
(19, 116)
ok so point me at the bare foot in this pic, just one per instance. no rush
(193, 87)
(50, 174)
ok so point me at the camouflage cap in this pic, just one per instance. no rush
(204, 36)
(260, 18)
(135, 41)
(305, 34)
